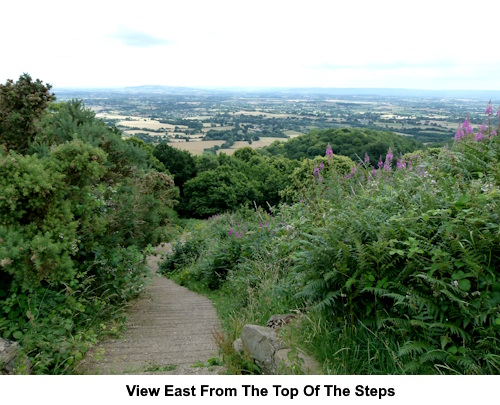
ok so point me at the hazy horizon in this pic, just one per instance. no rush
(492, 95)
(388, 44)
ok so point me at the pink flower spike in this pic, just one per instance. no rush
(316, 171)
(489, 109)
(466, 127)
(329, 151)
(459, 134)
(389, 155)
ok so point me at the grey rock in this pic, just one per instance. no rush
(271, 354)
(290, 361)
(238, 346)
(12, 360)
(262, 343)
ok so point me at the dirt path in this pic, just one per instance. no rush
(168, 331)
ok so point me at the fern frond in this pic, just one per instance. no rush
(411, 348)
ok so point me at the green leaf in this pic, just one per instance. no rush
(497, 321)
(17, 335)
(464, 285)
(462, 201)
(350, 282)
(452, 350)
(459, 275)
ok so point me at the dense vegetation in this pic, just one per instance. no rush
(393, 268)
(353, 143)
(390, 255)
(213, 184)
(78, 206)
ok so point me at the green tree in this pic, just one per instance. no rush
(178, 162)
(22, 104)
(216, 191)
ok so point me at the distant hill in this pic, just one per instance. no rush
(305, 91)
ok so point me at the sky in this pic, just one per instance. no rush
(429, 45)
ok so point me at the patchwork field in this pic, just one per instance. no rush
(196, 147)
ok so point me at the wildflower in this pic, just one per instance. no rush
(489, 109)
(316, 171)
(374, 172)
(320, 179)
(353, 172)
(467, 128)
(480, 133)
(493, 133)
(367, 159)
(459, 134)
(223, 250)
(388, 160)
(329, 151)
(321, 166)
(401, 164)
(230, 232)
(380, 163)
(389, 155)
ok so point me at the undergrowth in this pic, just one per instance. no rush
(393, 268)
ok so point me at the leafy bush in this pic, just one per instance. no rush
(413, 254)
(22, 105)
(77, 212)
(394, 263)
(226, 182)
(183, 253)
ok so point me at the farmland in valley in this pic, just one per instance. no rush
(224, 120)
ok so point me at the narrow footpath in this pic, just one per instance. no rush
(168, 331)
